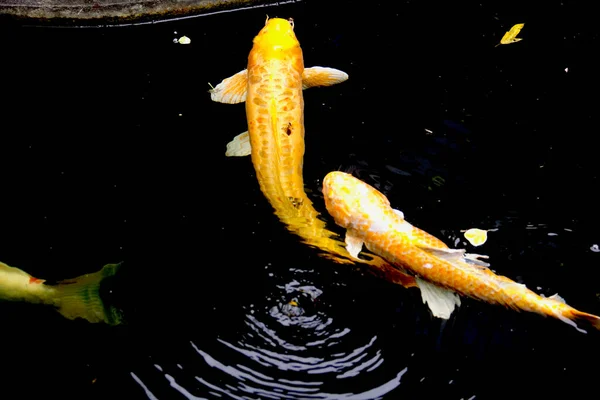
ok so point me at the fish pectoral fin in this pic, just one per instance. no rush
(232, 90)
(440, 301)
(322, 76)
(353, 244)
(398, 213)
(457, 257)
(239, 146)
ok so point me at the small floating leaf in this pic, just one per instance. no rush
(476, 236)
(184, 40)
(511, 36)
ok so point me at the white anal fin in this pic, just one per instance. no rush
(441, 301)
(322, 76)
(232, 90)
(353, 244)
(239, 146)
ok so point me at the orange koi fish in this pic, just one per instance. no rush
(73, 298)
(272, 86)
(441, 273)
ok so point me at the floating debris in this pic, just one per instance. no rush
(438, 180)
(184, 40)
(477, 236)
(511, 36)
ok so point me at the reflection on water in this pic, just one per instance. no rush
(289, 347)
(309, 335)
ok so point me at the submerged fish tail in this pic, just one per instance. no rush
(556, 307)
(80, 297)
(576, 318)
(585, 318)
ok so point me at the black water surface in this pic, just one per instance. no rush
(112, 150)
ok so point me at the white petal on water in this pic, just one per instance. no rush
(184, 40)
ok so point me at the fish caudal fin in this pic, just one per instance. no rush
(584, 318)
(569, 315)
(80, 297)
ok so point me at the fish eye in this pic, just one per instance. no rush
(291, 21)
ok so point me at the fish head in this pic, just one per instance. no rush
(354, 204)
(277, 35)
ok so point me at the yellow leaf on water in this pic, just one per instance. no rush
(511, 36)
(476, 236)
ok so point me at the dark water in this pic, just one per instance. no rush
(112, 150)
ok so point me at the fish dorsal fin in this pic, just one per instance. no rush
(557, 298)
(457, 257)
(353, 244)
(239, 146)
(322, 76)
(232, 90)
(440, 301)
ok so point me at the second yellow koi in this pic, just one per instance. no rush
(441, 273)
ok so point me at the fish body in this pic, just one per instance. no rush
(441, 272)
(272, 87)
(74, 298)
(18, 285)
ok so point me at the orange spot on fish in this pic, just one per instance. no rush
(35, 280)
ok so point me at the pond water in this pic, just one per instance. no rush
(113, 151)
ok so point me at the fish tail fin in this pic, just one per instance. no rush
(80, 297)
(586, 318)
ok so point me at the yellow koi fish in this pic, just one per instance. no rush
(441, 273)
(73, 298)
(272, 86)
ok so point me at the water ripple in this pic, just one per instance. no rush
(288, 347)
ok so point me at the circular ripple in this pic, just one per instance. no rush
(288, 347)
